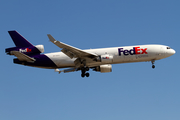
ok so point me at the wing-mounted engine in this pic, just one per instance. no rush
(31, 50)
(105, 58)
(103, 68)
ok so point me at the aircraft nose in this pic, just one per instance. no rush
(172, 52)
(169, 52)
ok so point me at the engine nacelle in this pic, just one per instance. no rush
(40, 48)
(105, 58)
(103, 68)
(31, 50)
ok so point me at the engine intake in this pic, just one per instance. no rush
(40, 48)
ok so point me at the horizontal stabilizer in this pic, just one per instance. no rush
(22, 57)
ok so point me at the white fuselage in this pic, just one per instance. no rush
(125, 54)
(75, 59)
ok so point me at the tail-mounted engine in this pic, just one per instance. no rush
(27, 50)
(103, 68)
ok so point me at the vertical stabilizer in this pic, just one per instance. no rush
(22, 45)
(19, 40)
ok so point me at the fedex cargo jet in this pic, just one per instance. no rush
(74, 59)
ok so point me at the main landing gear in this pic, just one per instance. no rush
(152, 61)
(83, 72)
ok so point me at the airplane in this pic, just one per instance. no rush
(75, 59)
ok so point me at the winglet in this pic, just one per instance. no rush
(51, 38)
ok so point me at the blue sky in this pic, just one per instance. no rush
(132, 91)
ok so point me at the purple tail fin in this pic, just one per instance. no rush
(19, 40)
(22, 45)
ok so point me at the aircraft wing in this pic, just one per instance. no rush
(71, 51)
(22, 57)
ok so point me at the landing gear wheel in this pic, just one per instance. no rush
(153, 66)
(83, 71)
(87, 74)
(82, 75)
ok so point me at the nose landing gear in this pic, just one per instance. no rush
(153, 61)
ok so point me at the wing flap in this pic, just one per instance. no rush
(22, 57)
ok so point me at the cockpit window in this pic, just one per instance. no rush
(168, 48)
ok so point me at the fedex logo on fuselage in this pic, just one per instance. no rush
(105, 57)
(25, 50)
(134, 51)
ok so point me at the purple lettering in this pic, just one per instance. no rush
(134, 51)
(120, 50)
(126, 52)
